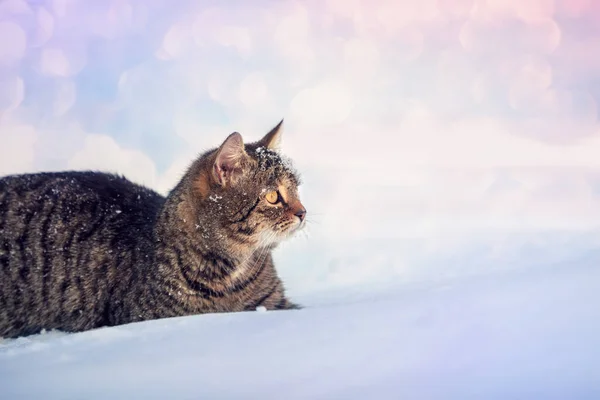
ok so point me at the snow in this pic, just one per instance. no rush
(519, 334)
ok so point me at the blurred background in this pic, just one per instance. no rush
(437, 139)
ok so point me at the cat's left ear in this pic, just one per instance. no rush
(272, 140)
(228, 161)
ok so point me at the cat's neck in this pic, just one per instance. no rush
(196, 248)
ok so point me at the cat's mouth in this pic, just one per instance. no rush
(285, 232)
(280, 232)
(299, 226)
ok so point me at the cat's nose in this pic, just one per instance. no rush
(301, 213)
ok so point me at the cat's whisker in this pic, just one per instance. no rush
(263, 254)
(260, 247)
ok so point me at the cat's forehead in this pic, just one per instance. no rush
(278, 168)
(268, 159)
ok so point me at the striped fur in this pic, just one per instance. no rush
(81, 250)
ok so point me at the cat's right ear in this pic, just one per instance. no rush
(272, 140)
(228, 160)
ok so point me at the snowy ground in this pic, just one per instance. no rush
(523, 334)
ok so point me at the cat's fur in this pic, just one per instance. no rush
(80, 250)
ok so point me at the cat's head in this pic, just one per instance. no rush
(247, 194)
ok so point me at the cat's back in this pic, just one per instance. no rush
(65, 238)
(70, 199)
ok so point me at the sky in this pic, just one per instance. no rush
(436, 138)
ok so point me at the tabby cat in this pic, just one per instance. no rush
(81, 250)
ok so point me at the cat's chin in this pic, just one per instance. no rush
(293, 230)
(272, 239)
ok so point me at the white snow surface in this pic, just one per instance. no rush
(530, 333)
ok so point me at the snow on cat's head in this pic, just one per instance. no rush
(245, 194)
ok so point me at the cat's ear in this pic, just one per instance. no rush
(272, 140)
(228, 160)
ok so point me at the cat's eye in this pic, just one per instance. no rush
(272, 197)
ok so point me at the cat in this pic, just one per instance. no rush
(81, 250)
